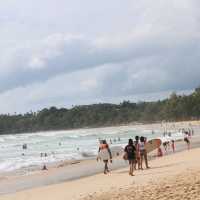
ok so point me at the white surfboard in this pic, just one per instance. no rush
(115, 152)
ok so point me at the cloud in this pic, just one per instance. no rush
(88, 53)
(61, 53)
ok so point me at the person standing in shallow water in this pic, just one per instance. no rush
(104, 146)
(130, 150)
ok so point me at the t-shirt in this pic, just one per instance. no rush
(131, 151)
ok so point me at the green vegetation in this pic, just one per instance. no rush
(175, 108)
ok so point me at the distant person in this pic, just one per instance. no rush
(44, 167)
(168, 145)
(143, 152)
(192, 132)
(110, 141)
(137, 146)
(160, 153)
(173, 145)
(24, 146)
(187, 140)
(165, 146)
(104, 146)
(130, 150)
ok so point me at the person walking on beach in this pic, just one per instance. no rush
(130, 150)
(105, 147)
(143, 152)
(165, 146)
(187, 139)
(173, 145)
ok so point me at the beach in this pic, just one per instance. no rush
(175, 176)
(83, 179)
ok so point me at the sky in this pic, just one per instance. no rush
(73, 52)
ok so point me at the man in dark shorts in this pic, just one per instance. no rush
(130, 150)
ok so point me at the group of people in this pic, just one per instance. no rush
(134, 152)
(169, 144)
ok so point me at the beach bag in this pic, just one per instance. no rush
(125, 156)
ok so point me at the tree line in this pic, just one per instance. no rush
(174, 108)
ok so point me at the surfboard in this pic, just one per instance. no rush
(152, 145)
(115, 151)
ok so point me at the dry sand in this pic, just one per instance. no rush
(173, 177)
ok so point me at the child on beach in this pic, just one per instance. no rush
(105, 147)
(130, 150)
(143, 152)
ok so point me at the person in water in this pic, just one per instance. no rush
(143, 152)
(130, 150)
(24, 146)
(136, 143)
(105, 147)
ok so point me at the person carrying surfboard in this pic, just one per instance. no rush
(104, 147)
(143, 152)
(130, 150)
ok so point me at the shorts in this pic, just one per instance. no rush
(186, 140)
(142, 152)
(131, 161)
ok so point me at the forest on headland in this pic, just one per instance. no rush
(174, 108)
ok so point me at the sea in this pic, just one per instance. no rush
(67, 145)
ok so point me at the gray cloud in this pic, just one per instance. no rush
(98, 51)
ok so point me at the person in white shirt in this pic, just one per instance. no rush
(143, 152)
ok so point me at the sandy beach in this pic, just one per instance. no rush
(175, 176)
